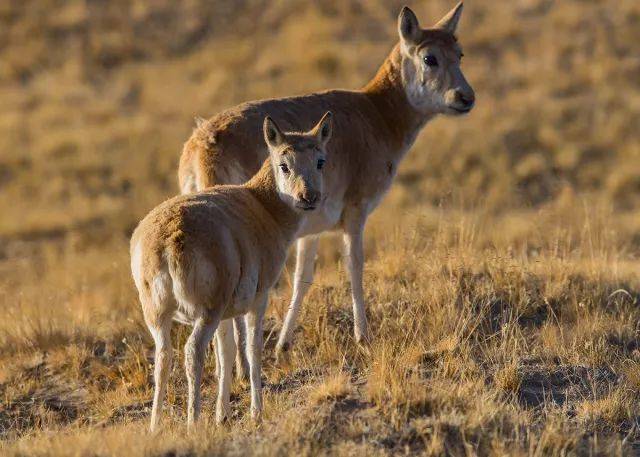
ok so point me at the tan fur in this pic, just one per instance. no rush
(214, 255)
(375, 126)
(236, 224)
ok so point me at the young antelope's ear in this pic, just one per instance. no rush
(323, 129)
(408, 26)
(272, 133)
(450, 21)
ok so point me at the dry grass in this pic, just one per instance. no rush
(502, 273)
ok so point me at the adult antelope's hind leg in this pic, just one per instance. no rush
(194, 353)
(306, 250)
(225, 346)
(162, 368)
(254, 354)
(354, 252)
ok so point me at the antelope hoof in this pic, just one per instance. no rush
(283, 353)
(222, 419)
(256, 416)
(192, 422)
(363, 338)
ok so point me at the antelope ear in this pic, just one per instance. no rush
(450, 21)
(408, 26)
(272, 133)
(324, 128)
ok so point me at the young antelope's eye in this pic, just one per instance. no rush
(284, 168)
(430, 60)
(320, 164)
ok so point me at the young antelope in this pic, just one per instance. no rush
(204, 258)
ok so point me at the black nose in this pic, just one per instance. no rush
(466, 100)
(309, 197)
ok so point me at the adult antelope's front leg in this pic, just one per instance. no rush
(254, 354)
(240, 335)
(306, 250)
(194, 353)
(354, 252)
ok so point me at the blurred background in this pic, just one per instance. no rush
(98, 96)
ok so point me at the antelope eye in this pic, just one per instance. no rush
(284, 168)
(320, 164)
(430, 60)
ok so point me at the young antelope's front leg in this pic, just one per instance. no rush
(225, 348)
(194, 353)
(254, 354)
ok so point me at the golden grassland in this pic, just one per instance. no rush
(502, 269)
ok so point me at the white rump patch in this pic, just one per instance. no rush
(161, 289)
(136, 266)
(193, 287)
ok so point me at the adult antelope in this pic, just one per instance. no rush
(214, 255)
(375, 126)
